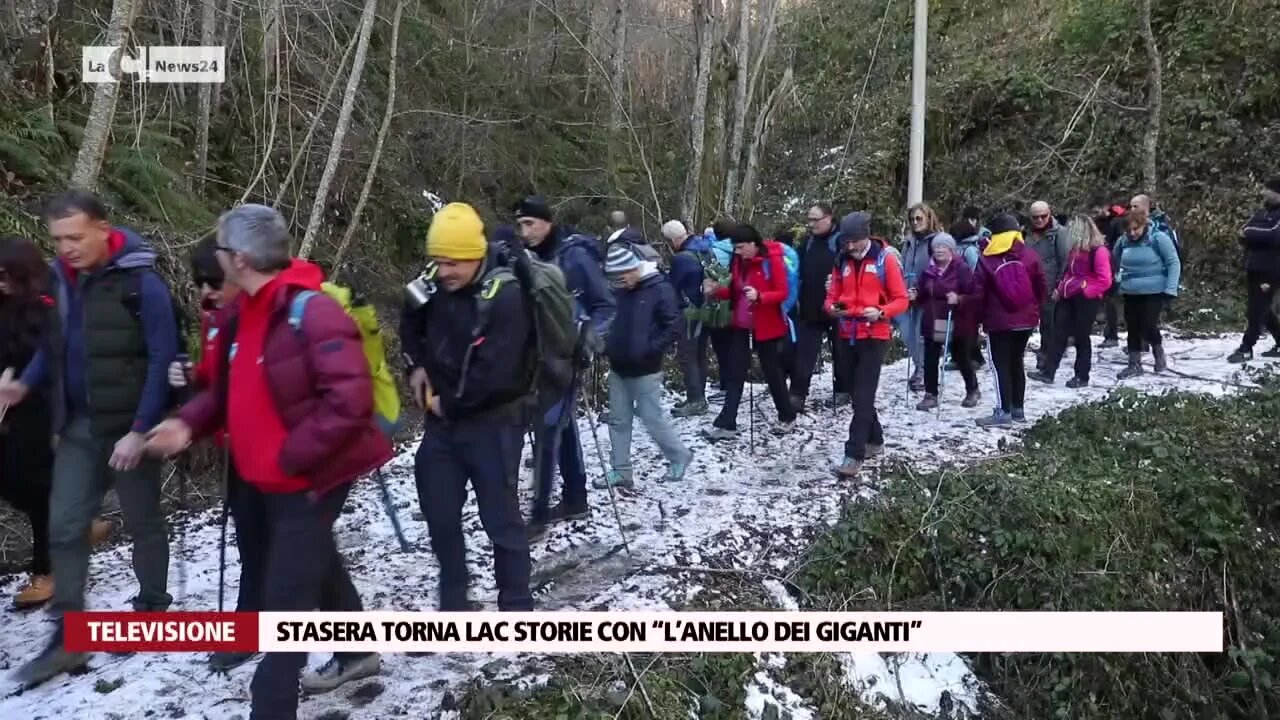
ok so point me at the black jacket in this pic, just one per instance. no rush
(26, 433)
(438, 336)
(1261, 240)
(645, 326)
(817, 260)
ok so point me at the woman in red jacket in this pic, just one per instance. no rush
(867, 290)
(757, 289)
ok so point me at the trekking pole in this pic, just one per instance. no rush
(389, 506)
(751, 390)
(595, 437)
(946, 354)
(995, 375)
(222, 532)
(183, 394)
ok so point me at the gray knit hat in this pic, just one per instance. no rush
(943, 239)
(855, 226)
(621, 259)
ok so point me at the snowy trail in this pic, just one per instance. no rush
(736, 509)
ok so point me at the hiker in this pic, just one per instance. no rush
(916, 254)
(1009, 287)
(818, 253)
(298, 409)
(867, 291)
(1110, 221)
(645, 325)
(1261, 240)
(969, 234)
(755, 298)
(1147, 269)
(241, 502)
(973, 216)
(948, 314)
(1078, 295)
(556, 440)
(617, 221)
(1049, 241)
(116, 334)
(26, 437)
(689, 254)
(718, 235)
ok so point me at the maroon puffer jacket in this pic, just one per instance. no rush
(995, 317)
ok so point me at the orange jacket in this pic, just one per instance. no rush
(856, 284)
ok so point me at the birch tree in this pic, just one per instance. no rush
(102, 111)
(702, 22)
(340, 130)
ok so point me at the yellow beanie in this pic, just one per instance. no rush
(457, 233)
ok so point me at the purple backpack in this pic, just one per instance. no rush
(1013, 285)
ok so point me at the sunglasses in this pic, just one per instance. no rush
(213, 283)
(917, 218)
(1040, 217)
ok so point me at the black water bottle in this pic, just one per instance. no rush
(183, 394)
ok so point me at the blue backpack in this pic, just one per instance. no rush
(791, 259)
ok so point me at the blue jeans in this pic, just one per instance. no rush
(909, 328)
(639, 397)
(555, 442)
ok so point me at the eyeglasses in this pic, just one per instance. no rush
(811, 220)
(1040, 217)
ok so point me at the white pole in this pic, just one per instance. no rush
(915, 183)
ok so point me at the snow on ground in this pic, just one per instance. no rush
(739, 507)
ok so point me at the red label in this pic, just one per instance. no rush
(161, 632)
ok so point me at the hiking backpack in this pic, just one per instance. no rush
(713, 313)
(1160, 221)
(791, 259)
(386, 398)
(133, 303)
(1013, 285)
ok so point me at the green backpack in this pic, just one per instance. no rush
(712, 313)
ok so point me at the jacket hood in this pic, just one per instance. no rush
(302, 273)
(128, 251)
(569, 237)
(697, 243)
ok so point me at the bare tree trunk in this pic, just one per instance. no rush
(702, 22)
(377, 146)
(208, 29)
(617, 77)
(229, 12)
(764, 121)
(272, 17)
(339, 131)
(25, 36)
(762, 53)
(103, 109)
(739, 106)
(1155, 101)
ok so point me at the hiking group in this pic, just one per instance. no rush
(503, 334)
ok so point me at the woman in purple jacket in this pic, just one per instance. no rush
(1009, 288)
(947, 308)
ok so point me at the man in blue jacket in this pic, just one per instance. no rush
(556, 435)
(107, 366)
(691, 348)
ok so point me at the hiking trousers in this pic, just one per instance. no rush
(248, 510)
(736, 369)
(81, 477)
(864, 359)
(909, 329)
(720, 340)
(1048, 331)
(691, 351)
(486, 453)
(1074, 322)
(1258, 309)
(303, 572)
(809, 337)
(961, 352)
(1111, 314)
(556, 443)
(1142, 320)
(29, 495)
(1008, 350)
(639, 397)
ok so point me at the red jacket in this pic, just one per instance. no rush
(210, 361)
(857, 284)
(767, 321)
(319, 389)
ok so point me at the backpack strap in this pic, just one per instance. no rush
(297, 306)
(490, 284)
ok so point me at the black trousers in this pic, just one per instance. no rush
(738, 364)
(1008, 348)
(809, 337)
(1258, 309)
(1111, 314)
(249, 512)
(864, 359)
(1074, 321)
(691, 351)
(1142, 319)
(961, 350)
(29, 496)
(719, 338)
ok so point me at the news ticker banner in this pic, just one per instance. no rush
(649, 632)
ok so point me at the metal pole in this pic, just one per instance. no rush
(915, 184)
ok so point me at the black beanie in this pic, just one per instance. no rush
(743, 233)
(534, 206)
(1273, 184)
(1004, 222)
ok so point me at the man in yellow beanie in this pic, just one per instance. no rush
(473, 387)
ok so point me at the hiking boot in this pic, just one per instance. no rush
(916, 383)
(841, 399)
(1109, 343)
(339, 670)
(563, 513)
(719, 433)
(1019, 415)
(604, 417)
(224, 662)
(1134, 369)
(1161, 362)
(1273, 352)
(676, 472)
(930, 402)
(613, 479)
(783, 428)
(1240, 356)
(51, 662)
(99, 531)
(37, 591)
(1041, 376)
(874, 450)
(1076, 382)
(971, 399)
(951, 366)
(849, 469)
(692, 408)
(997, 419)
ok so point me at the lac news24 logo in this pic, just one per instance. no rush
(154, 64)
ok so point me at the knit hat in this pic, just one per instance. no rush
(855, 226)
(1273, 184)
(621, 259)
(674, 230)
(457, 233)
(1004, 222)
(943, 239)
(534, 206)
(743, 234)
